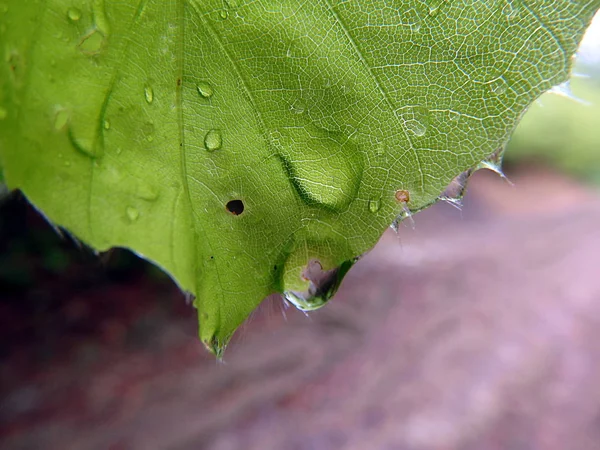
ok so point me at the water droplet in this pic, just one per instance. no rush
(149, 94)
(308, 286)
(74, 14)
(205, 89)
(146, 191)
(434, 6)
(380, 149)
(67, 163)
(100, 19)
(453, 116)
(213, 140)
(415, 27)
(3, 113)
(297, 107)
(92, 43)
(223, 14)
(119, 150)
(60, 119)
(132, 213)
(510, 9)
(106, 124)
(305, 149)
(498, 86)
(415, 119)
(374, 205)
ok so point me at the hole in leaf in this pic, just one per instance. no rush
(235, 207)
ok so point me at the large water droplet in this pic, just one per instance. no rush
(324, 167)
(415, 119)
(149, 94)
(74, 14)
(498, 86)
(374, 205)
(205, 89)
(213, 140)
(3, 113)
(60, 119)
(132, 213)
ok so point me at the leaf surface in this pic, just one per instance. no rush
(151, 125)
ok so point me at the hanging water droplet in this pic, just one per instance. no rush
(61, 119)
(205, 89)
(498, 86)
(3, 113)
(74, 14)
(149, 94)
(132, 213)
(374, 205)
(106, 124)
(415, 119)
(213, 140)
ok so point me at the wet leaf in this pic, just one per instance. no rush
(235, 142)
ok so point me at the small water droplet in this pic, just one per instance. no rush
(74, 14)
(498, 86)
(132, 213)
(149, 94)
(453, 116)
(213, 140)
(67, 163)
(205, 89)
(92, 43)
(374, 205)
(106, 124)
(297, 108)
(510, 9)
(223, 14)
(415, 119)
(415, 27)
(3, 113)
(61, 119)
(434, 6)
(119, 150)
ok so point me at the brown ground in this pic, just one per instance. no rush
(478, 330)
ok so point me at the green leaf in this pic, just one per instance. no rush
(136, 123)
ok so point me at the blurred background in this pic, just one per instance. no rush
(479, 329)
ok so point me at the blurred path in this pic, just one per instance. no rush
(478, 330)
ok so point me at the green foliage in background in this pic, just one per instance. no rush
(563, 132)
(149, 124)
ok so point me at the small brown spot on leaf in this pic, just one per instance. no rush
(403, 196)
